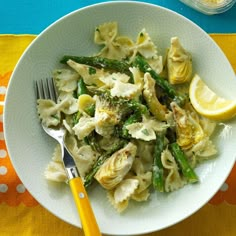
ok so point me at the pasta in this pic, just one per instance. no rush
(173, 179)
(126, 125)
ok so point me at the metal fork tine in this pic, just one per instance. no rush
(36, 89)
(39, 89)
(45, 89)
(52, 90)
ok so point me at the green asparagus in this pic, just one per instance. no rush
(92, 140)
(90, 110)
(181, 159)
(82, 89)
(143, 66)
(75, 118)
(136, 117)
(100, 62)
(158, 171)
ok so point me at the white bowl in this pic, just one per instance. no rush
(30, 148)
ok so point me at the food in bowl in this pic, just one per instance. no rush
(131, 127)
(30, 148)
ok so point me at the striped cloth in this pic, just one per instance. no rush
(21, 214)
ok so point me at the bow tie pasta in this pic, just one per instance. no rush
(130, 125)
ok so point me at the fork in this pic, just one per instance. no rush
(45, 89)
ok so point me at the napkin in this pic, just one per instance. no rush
(21, 214)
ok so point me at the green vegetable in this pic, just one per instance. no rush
(92, 140)
(171, 134)
(100, 62)
(136, 106)
(158, 170)
(90, 110)
(143, 66)
(82, 89)
(136, 117)
(181, 159)
(117, 146)
(92, 71)
(75, 118)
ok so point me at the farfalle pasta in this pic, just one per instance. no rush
(114, 47)
(128, 128)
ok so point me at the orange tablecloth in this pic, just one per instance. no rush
(21, 214)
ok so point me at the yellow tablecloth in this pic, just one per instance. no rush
(21, 214)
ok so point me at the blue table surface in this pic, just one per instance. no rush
(32, 17)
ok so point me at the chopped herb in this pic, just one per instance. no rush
(55, 117)
(145, 131)
(92, 71)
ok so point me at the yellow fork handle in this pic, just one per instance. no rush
(88, 220)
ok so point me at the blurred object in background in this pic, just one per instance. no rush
(210, 7)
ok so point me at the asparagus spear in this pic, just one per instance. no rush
(82, 89)
(90, 110)
(91, 140)
(136, 117)
(100, 62)
(181, 159)
(158, 171)
(75, 118)
(89, 177)
(163, 83)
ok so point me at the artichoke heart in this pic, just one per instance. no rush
(179, 63)
(106, 117)
(188, 128)
(114, 169)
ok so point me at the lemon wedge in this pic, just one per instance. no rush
(208, 103)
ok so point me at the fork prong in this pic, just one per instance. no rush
(36, 89)
(45, 89)
(52, 89)
(39, 89)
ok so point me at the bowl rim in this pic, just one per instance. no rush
(5, 122)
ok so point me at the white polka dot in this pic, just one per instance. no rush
(20, 188)
(3, 89)
(3, 153)
(3, 188)
(224, 187)
(3, 170)
(1, 136)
